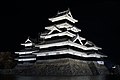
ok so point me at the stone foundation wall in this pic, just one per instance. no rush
(101, 68)
(64, 67)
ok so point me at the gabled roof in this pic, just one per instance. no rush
(64, 12)
(91, 44)
(66, 33)
(61, 25)
(74, 29)
(64, 25)
(53, 28)
(28, 42)
(77, 37)
(63, 15)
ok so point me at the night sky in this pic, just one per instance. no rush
(99, 22)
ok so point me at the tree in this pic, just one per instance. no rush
(7, 60)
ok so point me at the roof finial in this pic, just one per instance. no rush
(68, 9)
(69, 12)
(58, 12)
(28, 37)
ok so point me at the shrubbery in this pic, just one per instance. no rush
(7, 60)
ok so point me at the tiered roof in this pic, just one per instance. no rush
(28, 50)
(60, 38)
(27, 53)
(71, 32)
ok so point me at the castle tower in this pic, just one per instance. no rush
(26, 55)
(63, 38)
(61, 50)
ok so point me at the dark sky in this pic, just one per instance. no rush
(98, 20)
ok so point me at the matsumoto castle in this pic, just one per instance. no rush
(60, 39)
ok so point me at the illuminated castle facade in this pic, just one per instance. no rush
(61, 38)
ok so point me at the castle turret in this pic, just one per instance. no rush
(63, 38)
(26, 55)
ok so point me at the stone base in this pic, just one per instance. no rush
(64, 66)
